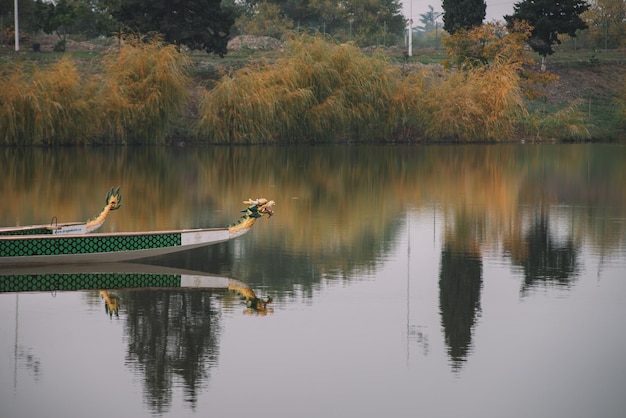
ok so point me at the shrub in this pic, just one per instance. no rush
(320, 91)
(568, 123)
(47, 105)
(481, 104)
(142, 88)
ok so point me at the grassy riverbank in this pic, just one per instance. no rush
(313, 92)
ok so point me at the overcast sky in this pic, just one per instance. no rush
(495, 8)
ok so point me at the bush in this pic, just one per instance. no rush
(44, 106)
(481, 104)
(59, 46)
(142, 89)
(319, 92)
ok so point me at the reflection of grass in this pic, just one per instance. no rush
(340, 207)
(362, 189)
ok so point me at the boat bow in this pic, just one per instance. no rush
(79, 247)
(255, 210)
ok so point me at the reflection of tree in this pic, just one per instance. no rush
(460, 284)
(215, 259)
(545, 261)
(282, 271)
(350, 183)
(172, 335)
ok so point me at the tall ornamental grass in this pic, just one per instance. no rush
(142, 88)
(480, 104)
(409, 121)
(322, 91)
(133, 99)
(569, 123)
(48, 105)
(319, 91)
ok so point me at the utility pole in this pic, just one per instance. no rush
(410, 29)
(17, 29)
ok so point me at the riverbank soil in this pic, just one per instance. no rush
(596, 86)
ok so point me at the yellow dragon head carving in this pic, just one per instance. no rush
(256, 209)
(113, 201)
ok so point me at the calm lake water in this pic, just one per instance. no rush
(434, 281)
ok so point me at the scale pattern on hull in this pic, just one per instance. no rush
(82, 281)
(34, 231)
(87, 244)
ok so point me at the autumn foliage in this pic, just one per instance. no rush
(141, 90)
(318, 91)
(42, 105)
(322, 91)
(132, 100)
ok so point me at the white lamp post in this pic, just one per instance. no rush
(410, 29)
(17, 28)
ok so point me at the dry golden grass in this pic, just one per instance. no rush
(568, 123)
(326, 92)
(481, 104)
(319, 91)
(142, 88)
(43, 106)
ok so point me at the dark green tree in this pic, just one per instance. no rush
(94, 18)
(429, 19)
(367, 22)
(549, 18)
(197, 24)
(26, 13)
(59, 18)
(463, 14)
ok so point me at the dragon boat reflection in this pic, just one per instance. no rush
(109, 278)
(172, 319)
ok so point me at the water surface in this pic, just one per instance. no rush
(439, 281)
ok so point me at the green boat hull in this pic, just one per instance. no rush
(104, 247)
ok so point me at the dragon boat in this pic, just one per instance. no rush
(40, 245)
(112, 201)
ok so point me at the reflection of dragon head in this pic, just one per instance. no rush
(111, 305)
(113, 201)
(258, 306)
(256, 208)
(254, 304)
